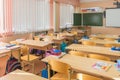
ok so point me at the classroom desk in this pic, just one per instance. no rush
(84, 65)
(21, 75)
(56, 39)
(4, 50)
(101, 42)
(102, 36)
(42, 45)
(30, 59)
(95, 49)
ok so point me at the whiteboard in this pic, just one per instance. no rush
(113, 17)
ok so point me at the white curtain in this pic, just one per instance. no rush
(66, 15)
(30, 15)
(1, 17)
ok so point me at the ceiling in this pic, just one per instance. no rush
(90, 0)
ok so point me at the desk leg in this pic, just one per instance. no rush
(19, 53)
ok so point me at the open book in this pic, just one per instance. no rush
(101, 66)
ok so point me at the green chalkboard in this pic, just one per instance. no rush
(77, 19)
(93, 19)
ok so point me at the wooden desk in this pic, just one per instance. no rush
(10, 50)
(102, 36)
(56, 39)
(94, 49)
(36, 45)
(84, 65)
(100, 41)
(42, 45)
(21, 75)
(67, 35)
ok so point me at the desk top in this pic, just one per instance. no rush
(4, 49)
(84, 64)
(35, 43)
(94, 49)
(31, 58)
(21, 75)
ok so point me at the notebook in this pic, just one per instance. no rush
(101, 66)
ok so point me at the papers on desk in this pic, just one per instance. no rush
(101, 66)
(2, 47)
(117, 67)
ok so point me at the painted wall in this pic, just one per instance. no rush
(14, 37)
(103, 4)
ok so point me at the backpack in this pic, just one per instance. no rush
(12, 64)
(53, 51)
(44, 73)
(63, 45)
(75, 41)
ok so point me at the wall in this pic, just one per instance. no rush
(19, 36)
(103, 4)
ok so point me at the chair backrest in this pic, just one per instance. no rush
(94, 38)
(77, 53)
(24, 50)
(58, 66)
(101, 57)
(89, 43)
(109, 39)
(36, 38)
(110, 45)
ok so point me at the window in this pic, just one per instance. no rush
(5, 18)
(66, 15)
(1, 17)
(31, 15)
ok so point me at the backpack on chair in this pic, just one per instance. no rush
(12, 64)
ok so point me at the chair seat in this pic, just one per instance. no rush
(60, 76)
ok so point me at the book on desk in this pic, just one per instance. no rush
(101, 66)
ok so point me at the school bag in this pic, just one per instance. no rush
(53, 51)
(75, 41)
(44, 73)
(63, 45)
(12, 64)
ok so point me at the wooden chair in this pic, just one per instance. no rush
(94, 38)
(63, 70)
(89, 43)
(77, 53)
(110, 45)
(97, 56)
(24, 50)
(36, 38)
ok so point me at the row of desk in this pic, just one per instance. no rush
(84, 65)
(78, 63)
(95, 49)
